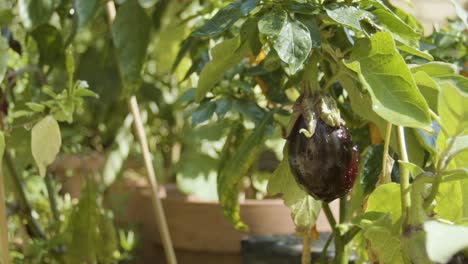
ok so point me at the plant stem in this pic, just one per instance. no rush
(441, 163)
(385, 176)
(439, 122)
(340, 256)
(323, 255)
(25, 207)
(4, 253)
(51, 196)
(404, 185)
(305, 259)
(342, 210)
(350, 234)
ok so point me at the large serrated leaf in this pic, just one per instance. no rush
(225, 56)
(225, 18)
(428, 88)
(236, 168)
(45, 143)
(383, 72)
(399, 29)
(304, 208)
(130, 34)
(293, 44)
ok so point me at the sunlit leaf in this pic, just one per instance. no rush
(384, 74)
(45, 143)
(444, 240)
(293, 44)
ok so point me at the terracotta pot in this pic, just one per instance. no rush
(197, 228)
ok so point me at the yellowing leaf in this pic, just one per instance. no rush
(45, 143)
(304, 208)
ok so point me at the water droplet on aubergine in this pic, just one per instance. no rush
(325, 165)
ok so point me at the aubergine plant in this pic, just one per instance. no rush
(371, 59)
(240, 68)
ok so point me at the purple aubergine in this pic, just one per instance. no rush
(324, 161)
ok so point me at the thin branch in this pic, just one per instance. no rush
(305, 259)
(385, 176)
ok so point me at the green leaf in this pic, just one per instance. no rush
(204, 112)
(370, 167)
(35, 107)
(45, 143)
(416, 52)
(272, 22)
(428, 88)
(379, 200)
(83, 227)
(6, 15)
(236, 168)
(249, 33)
(293, 44)
(85, 9)
(50, 45)
(435, 68)
(444, 240)
(225, 56)
(301, 8)
(3, 57)
(413, 169)
(304, 208)
(460, 145)
(461, 12)
(399, 29)
(452, 102)
(349, 16)
(130, 33)
(451, 200)
(225, 18)
(384, 244)
(384, 74)
(314, 29)
(34, 13)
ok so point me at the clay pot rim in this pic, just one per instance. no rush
(180, 197)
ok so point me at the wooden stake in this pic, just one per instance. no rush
(156, 201)
(4, 253)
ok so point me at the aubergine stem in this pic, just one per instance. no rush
(305, 259)
(158, 209)
(340, 256)
(404, 187)
(385, 176)
(51, 196)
